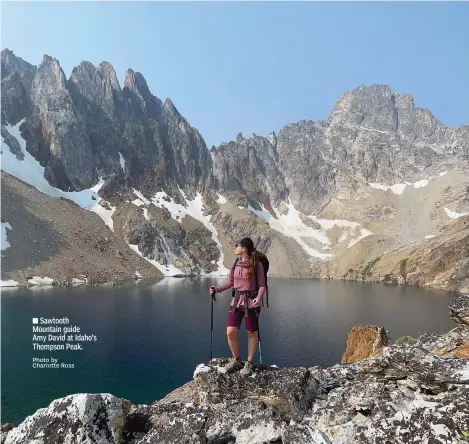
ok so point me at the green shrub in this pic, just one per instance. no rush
(405, 340)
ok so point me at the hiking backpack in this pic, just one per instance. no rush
(265, 263)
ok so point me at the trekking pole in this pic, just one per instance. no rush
(259, 335)
(211, 327)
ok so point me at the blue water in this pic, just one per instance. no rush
(151, 337)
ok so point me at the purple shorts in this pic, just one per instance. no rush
(235, 319)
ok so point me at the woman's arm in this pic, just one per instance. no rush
(228, 284)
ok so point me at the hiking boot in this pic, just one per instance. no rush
(232, 364)
(247, 369)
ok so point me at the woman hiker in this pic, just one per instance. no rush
(243, 278)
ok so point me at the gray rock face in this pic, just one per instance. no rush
(371, 134)
(82, 418)
(84, 127)
(250, 168)
(187, 245)
(12, 143)
(309, 171)
(56, 132)
(17, 76)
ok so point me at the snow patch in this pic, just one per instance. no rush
(353, 229)
(262, 213)
(379, 186)
(221, 199)
(4, 241)
(453, 214)
(400, 187)
(37, 280)
(141, 197)
(167, 270)
(145, 214)
(76, 282)
(396, 188)
(122, 161)
(105, 214)
(194, 209)
(30, 171)
(291, 225)
(9, 283)
(421, 183)
(430, 236)
(201, 368)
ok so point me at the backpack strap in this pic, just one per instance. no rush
(233, 291)
(257, 280)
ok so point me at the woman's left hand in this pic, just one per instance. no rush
(256, 303)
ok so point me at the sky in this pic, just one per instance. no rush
(253, 67)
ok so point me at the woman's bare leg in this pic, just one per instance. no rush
(253, 340)
(232, 335)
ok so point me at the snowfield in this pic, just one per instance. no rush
(399, 188)
(291, 225)
(30, 171)
(194, 209)
(453, 214)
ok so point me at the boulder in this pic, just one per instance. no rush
(81, 418)
(364, 341)
(459, 310)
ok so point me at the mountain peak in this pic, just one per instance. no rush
(137, 83)
(47, 59)
(170, 108)
(6, 52)
(129, 81)
(404, 101)
(13, 63)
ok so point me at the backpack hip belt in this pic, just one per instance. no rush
(236, 294)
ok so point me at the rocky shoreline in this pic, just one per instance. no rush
(69, 283)
(415, 393)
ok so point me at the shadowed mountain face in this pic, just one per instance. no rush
(78, 128)
(88, 127)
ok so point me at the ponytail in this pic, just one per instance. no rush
(253, 259)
